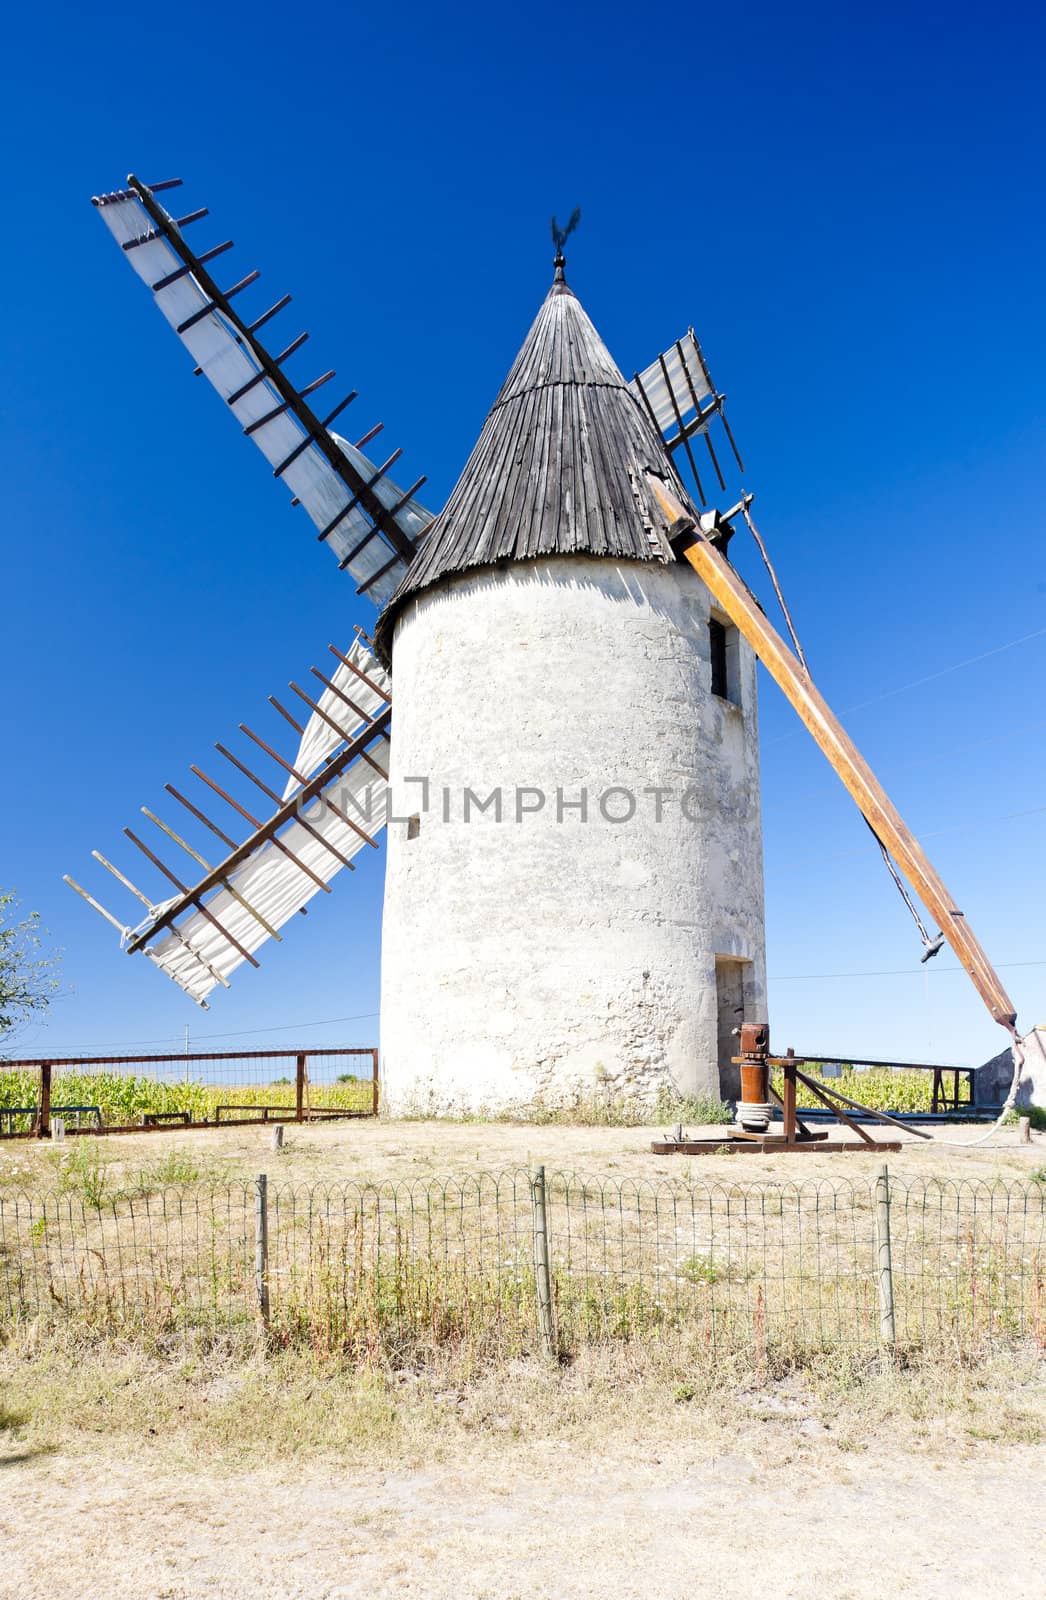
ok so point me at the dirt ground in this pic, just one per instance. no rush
(778, 1510)
(382, 1151)
(149, 1482)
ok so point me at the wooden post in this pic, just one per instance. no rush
(788, 1101)
(277, 1136)
(1024, 1129)
(884, 1254)
(43, 1116)
(542, 1276)
(374, 1084)
(299, 1089)
(261, 1245)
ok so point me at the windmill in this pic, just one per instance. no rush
(574, 876)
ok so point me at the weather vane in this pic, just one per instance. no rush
(561, 235)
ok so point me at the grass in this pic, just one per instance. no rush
(83, 1170)
(595, 1108)
(227, 1410)
(162, 1254)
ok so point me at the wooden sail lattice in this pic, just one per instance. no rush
(673, 389)
(333, 802)
(372, 525)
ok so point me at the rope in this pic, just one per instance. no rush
(1017, 1051)
(768, 564)
(930, 946)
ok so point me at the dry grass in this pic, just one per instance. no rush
(229, 1412)
(374, 1152)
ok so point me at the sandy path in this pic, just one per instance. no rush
(540, 1525)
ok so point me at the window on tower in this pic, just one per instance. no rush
(725, 653)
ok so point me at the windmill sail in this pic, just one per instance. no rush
(366, 518)
(673, 389)
(334, 802)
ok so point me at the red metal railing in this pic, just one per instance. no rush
(203, 1081)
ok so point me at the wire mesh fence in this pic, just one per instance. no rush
(106, 1093)
(776, 1271)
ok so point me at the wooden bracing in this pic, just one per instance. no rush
(728, 590)
(333, 803)
(371, 523)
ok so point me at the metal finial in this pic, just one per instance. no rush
(559, 239)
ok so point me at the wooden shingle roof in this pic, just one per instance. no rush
(557, 469)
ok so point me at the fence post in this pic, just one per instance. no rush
(43, 1124)
(542, 1276)
(374, 1084)
(299, 1088)
(884, 1253)
(261, 1245)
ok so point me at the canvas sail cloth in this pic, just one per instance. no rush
(230, 366)
(195, 953)
(679, 398)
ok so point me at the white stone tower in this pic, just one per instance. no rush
(574, 894)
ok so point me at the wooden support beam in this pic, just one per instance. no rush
(798, 687)
(361, 674)
(342, 696)
(206, 865)
(337, 458)
(302, 779)
(263, 832)
(194, 899)
(278, 842)
(302, 822)
(174, 929)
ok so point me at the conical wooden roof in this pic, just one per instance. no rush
(557, 469)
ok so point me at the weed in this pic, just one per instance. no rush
(174, 1169)
(81, 1171)
(699, 1110)
(1036, 1115)
(700, 1269)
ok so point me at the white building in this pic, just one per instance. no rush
(574, 894)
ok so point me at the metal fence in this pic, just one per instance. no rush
(515, 1261)
(119, 1094)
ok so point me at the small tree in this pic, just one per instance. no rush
(27, 968)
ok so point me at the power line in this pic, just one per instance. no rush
(179, 1039)
(942, 672)
(933, 833)
(929, 677)
(895, 972)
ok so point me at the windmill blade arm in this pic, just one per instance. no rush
(197, 933)
(677, 393)
(333, 804)
(371, 524)
(691, 544)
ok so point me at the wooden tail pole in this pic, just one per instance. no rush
(728, 590)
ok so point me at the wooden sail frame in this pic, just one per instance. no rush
(351, 501)
(218, 920)
(673, 390)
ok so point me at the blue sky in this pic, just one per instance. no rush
(848, 206)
